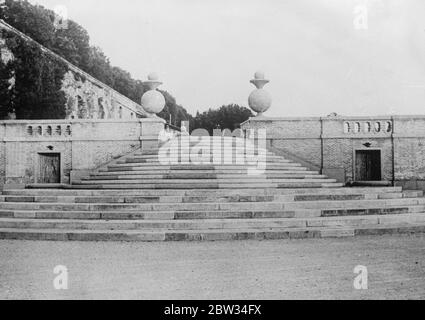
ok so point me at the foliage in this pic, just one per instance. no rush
(37, 76)
(227, 117)
(6, 74)
(36, 93)
(71, 43)
(177, 112)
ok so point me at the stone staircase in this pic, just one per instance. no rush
(154, 170)
(143, 197)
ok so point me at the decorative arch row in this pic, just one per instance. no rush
(49, 131)
(368, 127)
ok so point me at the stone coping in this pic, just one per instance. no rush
(337, 118)
(77, 121)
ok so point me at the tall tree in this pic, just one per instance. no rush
(38, 78)
(174, 111)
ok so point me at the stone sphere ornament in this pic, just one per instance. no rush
(152, 100)
(260, 100)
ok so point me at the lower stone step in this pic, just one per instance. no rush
(258, 213)
(209, 235)
(211, 224)
(198, 199)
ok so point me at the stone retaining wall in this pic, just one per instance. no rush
(329, 144)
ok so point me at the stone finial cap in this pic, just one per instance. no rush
(259, 80)
(153, 76)
(153, 81)
(260, 75)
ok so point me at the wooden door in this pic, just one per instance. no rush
(49, 169)
(368, 165)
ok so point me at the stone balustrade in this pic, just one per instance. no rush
(368, 127)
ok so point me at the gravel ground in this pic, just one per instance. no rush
(295, 269)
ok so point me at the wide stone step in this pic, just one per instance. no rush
(152, 199)
(353, 204)
(212, 154)
(204, 214)
(205, 179)
(146, 186)
(196, 224)
(268, 161)
(200, 181)
(166, 170)
(224, 154)
(157, 215)
(211, 186)
(212, 206)
(385, 225)
(202, 192)
(300, 213)
(211, 223)
(228, 151)
(212, 146)
(208, 166)
(186, 173)
(139, 206)
(152, 225)
(87, 185)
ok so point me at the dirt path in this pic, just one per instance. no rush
(297, 269)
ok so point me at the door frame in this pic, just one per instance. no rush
(367, 149)
(37, 165)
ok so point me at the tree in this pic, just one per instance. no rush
(227, 117)
(123, 82)
(177, 112)
(100, 67)
(33, 20)
(36, 88)
(36, 93)
(79, 40)
(6, 74)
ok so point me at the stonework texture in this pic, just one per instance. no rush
(83, 145)
(87, 100)
(330, 144)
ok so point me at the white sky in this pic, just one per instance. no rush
(206, 51)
